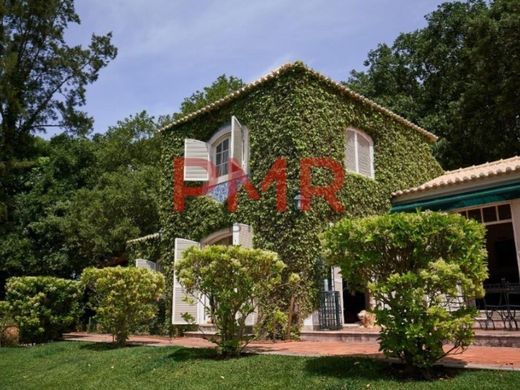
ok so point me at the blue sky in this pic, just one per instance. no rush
(170, 48)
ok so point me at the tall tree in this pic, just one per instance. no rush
(459, 77)
(81, 202)
(42, 77)
(221, 87)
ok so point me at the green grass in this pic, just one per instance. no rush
(73, 365)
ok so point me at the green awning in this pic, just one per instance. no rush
(466, 199)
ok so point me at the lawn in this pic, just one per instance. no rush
(67, 365)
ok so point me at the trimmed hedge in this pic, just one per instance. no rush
(43, 307)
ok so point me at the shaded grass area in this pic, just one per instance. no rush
(73, 365)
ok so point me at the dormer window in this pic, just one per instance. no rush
(359, 153)
(228, 142)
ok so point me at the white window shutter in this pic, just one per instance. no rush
(350, 151)
(196, 149)
(245, 149)
(179, 305)
(251, 319)
(237, 142)
(243, 235)
(364, 156)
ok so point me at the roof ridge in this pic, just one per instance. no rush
(281, 69)
(487, 163)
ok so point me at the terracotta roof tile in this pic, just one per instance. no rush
(464, 175)
(284, 68)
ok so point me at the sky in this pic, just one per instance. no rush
(168, 49)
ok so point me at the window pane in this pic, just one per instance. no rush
(490, 214)
(223, 169)
(222, 156)
(475, 214)
(504, 211)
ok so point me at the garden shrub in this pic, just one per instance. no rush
(43, 307)
(123, 298)
(414, 265)
(236, 281)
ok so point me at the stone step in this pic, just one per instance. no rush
(489, 338)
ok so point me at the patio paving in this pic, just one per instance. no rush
(497, 358)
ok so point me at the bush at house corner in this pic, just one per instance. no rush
(237, 282)
(43, 307)
(123, 298)
(414, 266)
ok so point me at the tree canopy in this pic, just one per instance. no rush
(43, 80)
(458, 77)
(79, 199)
(221, 87)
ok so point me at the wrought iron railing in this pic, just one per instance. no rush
(330, 311)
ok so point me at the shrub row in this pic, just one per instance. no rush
(45, 307)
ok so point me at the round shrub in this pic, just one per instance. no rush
(123, 298)
(236, 282)
(43, 307)
(423, 270)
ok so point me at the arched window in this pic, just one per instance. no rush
(229, 143)
(359, 153)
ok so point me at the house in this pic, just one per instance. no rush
(291, 114)
(488, 193)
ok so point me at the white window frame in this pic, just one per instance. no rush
(513, 220)
(214, 148)
(481, 210)
(221, 134)
(360, 133)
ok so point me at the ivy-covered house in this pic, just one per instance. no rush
(292, 113)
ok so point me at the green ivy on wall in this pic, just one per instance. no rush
(295, 115)
(148, 248)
